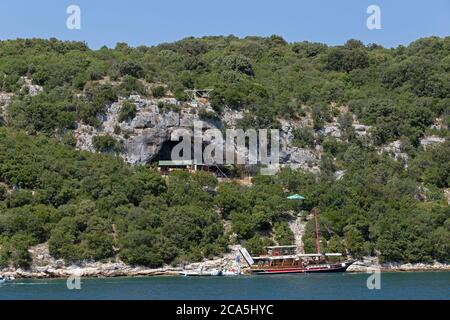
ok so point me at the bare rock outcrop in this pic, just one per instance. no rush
(331, 131)
(5, 98)
(395, 150)
(361, 129)
(431, 140)
(32, 89)
(144, 135)
(298, 227)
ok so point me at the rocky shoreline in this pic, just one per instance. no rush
(401, 267)
(44, 267)
(112, 269)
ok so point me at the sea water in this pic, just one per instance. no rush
(392, 285)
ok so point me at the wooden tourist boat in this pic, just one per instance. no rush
(286, 259)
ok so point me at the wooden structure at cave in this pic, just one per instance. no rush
(198, 95)
(167, 166)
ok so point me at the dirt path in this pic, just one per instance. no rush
(298, 227)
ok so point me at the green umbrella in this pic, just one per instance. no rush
(296, 197)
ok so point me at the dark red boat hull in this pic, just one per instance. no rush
(330, 268)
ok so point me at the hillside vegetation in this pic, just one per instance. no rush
(94, 206)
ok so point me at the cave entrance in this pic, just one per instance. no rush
(166, 165)
(165, 153)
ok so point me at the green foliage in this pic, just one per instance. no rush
(3, 192)
(106, 143)
(46, 112)
(257, 245)
(35, 221)
(230, 198)
(205, 179)
(207, 115)
(69, 139)
(91, 206)
(128, 111)
(145, 182)
(243, 225)
(375, 207)
(158, 91)
(141, 247)
(254, 209)
(303, 137)
(432, 166)
(130, 68)
(320, 114)
(347, 59)
(184, 233)
(130, 85)
(267, 76)
(95, 101)
(283, 234)
(334, 147)
(80, 237)
(354, 242)
(168, 107)
(94, 206)
(239, 63)
(14, 251)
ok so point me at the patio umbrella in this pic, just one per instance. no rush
(296, 197)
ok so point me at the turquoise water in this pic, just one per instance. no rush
(416, 285)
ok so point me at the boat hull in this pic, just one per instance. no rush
(341, 267)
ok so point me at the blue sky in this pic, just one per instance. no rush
(140, 22)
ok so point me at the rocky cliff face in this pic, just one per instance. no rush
(144, 136)
(5, 98)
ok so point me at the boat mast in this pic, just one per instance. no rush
(317, 231)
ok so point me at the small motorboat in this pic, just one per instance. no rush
(201, 273)
(231, 273)
(6, 279)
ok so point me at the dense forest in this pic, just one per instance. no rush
(94, 206)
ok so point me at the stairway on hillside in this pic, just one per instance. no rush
(298, 227)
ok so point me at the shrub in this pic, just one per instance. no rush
(128, 111)
(107, 144)
(283, 234)
(158, 91)
(207, 115)
(14, 251)
(303, 137)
